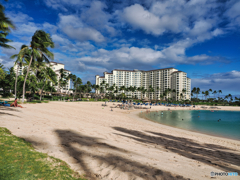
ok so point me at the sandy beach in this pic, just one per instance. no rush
(118, 144)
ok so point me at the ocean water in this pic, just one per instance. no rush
(203, 121)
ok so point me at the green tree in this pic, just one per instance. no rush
(74, 78)
(197, 92)
(48, 76)
(174, 91)
(7, 80)
(184, 91)
(219, 91)
(210, 90)
(2, 73)
(22, 59)
(5, 28)
(194, 90)
(38, 49)
(206, 94)
(140, 89)
(214, 92)
(77, 83)
(181, 96)
(203, 93)
(62, 79)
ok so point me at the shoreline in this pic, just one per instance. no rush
(194, 131)
(105, 144)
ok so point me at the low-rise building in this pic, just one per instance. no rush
(56, 68)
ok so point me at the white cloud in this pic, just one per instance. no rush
(10, 52)
(58, 39)
(195, 19)
(95, 16)
(75, 29)
(18, 17)
(64, 4)
(219, 81)
(49, 27)
(233, 14)
(5, 60)
(139, 18)
(135, 57)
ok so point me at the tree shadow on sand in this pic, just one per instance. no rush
(218, 156)
(111, 163)
(6, 111)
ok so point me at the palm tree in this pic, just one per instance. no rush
(111, 88)
(74, 78)
(219, 91)
(134, 90)
(106, 87)
(210, 90)
(101, 89)
(161, 96)
(206, 94)
(21, 58)
(103, 83)
(184, 91)
(167, 91)
(174, 91)
(181, 96)
(230, 96)
(38, 48)
(194, 90)
(150, 90)
(78, 82)
(5, 27)
(70, 78)
(49, 75)
(116, 90)
(122, 88)
(141, 89)
(197, 92)
(144, 91)
(164, 95)
(203, 93)
(62, 79)
(214, 92)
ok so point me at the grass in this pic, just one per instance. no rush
(19, 160)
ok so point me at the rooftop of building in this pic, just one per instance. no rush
(63, 69)
(56, 62)
(135, 70)
(177, 72)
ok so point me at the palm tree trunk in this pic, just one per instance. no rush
(23, 97)
(16, 83)
(42, 91)
(75, 90)
(51, 94)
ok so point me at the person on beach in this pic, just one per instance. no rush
(15, 104)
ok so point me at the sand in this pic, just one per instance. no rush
(105, 144)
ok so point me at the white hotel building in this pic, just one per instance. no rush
(55, 67)
(159, 79)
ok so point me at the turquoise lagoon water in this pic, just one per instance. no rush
(203, 121)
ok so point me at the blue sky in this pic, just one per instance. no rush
(200, 37)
